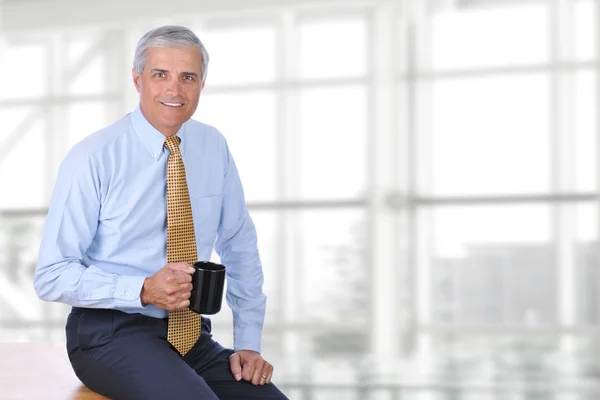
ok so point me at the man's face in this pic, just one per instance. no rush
(169, 86)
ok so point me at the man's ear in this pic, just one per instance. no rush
(136, 79)
(202, 86)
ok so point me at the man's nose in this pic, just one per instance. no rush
(173, 86)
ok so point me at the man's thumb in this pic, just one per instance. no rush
(235, 365)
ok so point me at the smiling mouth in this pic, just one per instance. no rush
(171, 104)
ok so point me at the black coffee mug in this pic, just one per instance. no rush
(208, 282)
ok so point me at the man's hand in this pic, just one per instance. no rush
(250, 366)
(170, 287)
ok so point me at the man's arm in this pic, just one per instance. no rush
(70, 227)
(237, 246)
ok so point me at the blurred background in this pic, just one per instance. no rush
(422, 175)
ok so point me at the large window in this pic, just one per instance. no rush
(507, 257)
(422, 176)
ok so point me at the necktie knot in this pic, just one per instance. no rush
(172, 143)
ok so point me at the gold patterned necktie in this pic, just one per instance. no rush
(184, 325)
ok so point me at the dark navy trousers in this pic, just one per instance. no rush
(127, 357)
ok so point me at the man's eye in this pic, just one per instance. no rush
(188, 78)
(159, 75)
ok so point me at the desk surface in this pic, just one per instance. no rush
(39, 371)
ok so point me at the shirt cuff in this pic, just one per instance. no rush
(128, 290)
(247, 338)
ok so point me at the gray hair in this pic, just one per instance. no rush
(168, 36)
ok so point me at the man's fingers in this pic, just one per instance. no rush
(183, 304)
(185, 295)
(181, 266)
(258, 371)
(235, 366)
(265, 373)
(256, 378)
(248, 370)
(181, 277)
(184, 287)
(269, 375)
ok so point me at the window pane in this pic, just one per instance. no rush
(247, 120)
(243, 55)
(520, 362)
(587, 277)
(86, 68)
(333, 48)
(334, 284)
(18, 250)
(25, 161)
(19, 243)
(480, 38)
(268, 246)
(28, 62)
(15, 119)
(85, 119)
(585, 107)
(268, 243)
(333, 142)
(493, 265)
(497, 358)
(585, 25)
(490, 135)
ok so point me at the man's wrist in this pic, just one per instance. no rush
(144, 293)
(253, 351)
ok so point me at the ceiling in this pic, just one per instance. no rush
(18, 15)
(36, 15)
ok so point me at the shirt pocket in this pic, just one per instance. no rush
(207, 214)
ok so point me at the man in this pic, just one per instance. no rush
(134, 205)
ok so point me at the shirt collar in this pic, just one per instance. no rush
(151, 137)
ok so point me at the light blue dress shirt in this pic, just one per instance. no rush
(106, 227)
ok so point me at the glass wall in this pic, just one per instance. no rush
(422, 176)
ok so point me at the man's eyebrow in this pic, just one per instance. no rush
(183, 73)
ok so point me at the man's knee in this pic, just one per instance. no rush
(180, 390)
(278, 394)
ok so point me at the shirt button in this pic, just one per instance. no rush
(155, 155)
(127, 293)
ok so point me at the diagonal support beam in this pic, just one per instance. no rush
(73, 71)
(18, 300)
(18, 133)
(8, 144)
